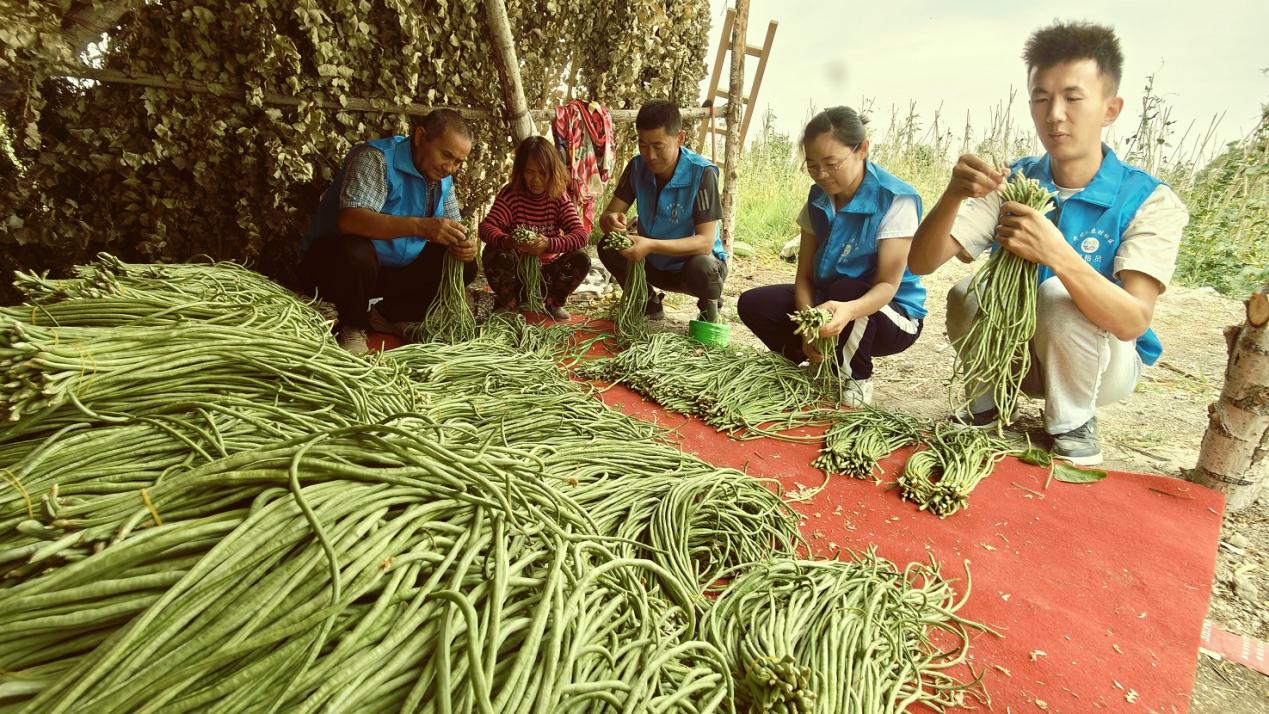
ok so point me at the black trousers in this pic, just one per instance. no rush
(765, 311)
(562, 275)
(346, 271)
(702, 276)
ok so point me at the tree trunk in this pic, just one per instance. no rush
(509, 68)
(88, 21)
(1232, 459)
(733, 112)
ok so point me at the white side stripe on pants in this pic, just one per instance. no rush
(900, 320)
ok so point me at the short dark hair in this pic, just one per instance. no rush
(845, 123)
(659, 114)
(439, 121)
(542, 151)
(1071, 41)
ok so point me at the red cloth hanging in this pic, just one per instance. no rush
(583, 134)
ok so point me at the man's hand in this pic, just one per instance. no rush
(1026, 232)
(639, 248)
(463, 250)
(843, 313)
(536, 248)
(612, 221)
(443, 231)
(974, 178)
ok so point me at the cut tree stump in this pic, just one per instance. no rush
(1232, 459)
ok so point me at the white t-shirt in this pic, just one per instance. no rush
(899, 222)
(1149, 245)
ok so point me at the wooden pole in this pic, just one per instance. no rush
(350, 104)
(509, 68)
(1233, 456)
(735, 105)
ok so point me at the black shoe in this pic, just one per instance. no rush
(987, 419)
(1080, 445)
(654, 310)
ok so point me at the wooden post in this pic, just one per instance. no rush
(735, 105)
(1233, 456)
(509, 68)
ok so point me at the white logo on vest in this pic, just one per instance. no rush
(1090, 245)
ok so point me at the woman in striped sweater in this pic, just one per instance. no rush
(535, 199)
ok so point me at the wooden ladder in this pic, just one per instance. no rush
(715, 125)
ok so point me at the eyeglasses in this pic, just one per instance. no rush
(827, 167)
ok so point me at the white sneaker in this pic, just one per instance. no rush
(353, 340)
(858, 393)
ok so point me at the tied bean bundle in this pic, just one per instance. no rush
(808, 322)
(857, 636)
(940, 477)
(994, 356)
(449, 318)
(529, 271)
(858, 439)
(628, 315)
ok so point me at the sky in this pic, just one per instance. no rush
(1207, 57)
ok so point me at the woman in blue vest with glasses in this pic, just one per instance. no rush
(1105, 253)
(857, 226)
(676, 193)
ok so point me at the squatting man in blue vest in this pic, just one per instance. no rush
(384, 226)
(1105, 253)
(676, 194)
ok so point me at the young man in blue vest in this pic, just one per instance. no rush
(676, 194)
(1105, 253)
(385, 224)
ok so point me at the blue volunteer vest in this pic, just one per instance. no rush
(846, 245)
(1094, 220)
(407, 193)
(669, 215)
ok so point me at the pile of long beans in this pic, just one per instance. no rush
(202, 515)
(742, 392)
(529, 271)
(628, 315)
(858, 439)
(940, 477)
(364, 569)
(856, 636)
(449, 318)
(993, 356)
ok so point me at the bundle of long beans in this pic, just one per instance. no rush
(529, 271)
(858, 439)
(743, 392)
(807, 323)
(65, 375)
(628, 315)
(449, 318)
(993, 356)
(858, 636)
(940, 477)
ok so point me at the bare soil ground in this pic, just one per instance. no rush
(1157, 431)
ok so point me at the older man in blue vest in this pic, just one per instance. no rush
(385, 224)
(1105, 253)
(675, 191)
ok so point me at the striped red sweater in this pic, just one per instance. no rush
(553, 218)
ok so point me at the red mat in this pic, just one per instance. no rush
(1099, 590)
